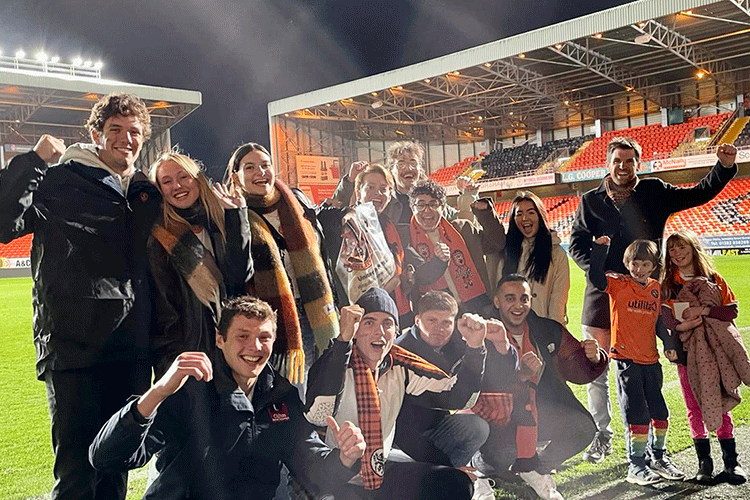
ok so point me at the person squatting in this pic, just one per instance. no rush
(412, 350)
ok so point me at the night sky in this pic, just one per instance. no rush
(242, 54)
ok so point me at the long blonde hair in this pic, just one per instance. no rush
(206, 196)
(702, 263)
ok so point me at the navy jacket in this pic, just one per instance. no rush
(214, 444)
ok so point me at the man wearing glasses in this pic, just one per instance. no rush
(461, 244)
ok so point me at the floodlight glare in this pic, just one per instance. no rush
(87, 64)
(98, 65)
(55, 59)
(77, 61)
(41, 56)
(20, 54)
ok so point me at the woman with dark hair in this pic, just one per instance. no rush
(291, 269)
(199, 255)
(533, 251)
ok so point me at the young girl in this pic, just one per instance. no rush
(686, 264)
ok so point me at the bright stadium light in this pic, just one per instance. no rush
(41, 56)
(77, 61)
(55, 59)
(20, 54)
(98, 65)
(87, 64)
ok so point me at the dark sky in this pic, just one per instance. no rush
(242, 54)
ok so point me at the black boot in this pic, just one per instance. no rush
(705, 473)
(733, 472)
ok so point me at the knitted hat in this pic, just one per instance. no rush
(377, 300)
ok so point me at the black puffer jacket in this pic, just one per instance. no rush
(91, 293)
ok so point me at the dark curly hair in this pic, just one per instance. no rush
(430, 188)
(119, 105)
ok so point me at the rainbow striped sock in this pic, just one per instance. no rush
(659, 443)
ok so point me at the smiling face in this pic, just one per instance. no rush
(526, 218)
(640, 270)
(682, 256)
(375, 188)
(179, 188)
(406, 170)
(119, 143)
(622, 165)
(436, 326)
(256, 173)
(513, 300)
(427, 211)
(247, 347)
(375, 336)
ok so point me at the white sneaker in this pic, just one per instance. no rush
(542, 484)
(483, 489)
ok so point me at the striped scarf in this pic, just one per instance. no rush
(618, 194)
(271, 282)
(196, 265)
(368, 408)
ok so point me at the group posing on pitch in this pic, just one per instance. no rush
(288, 364)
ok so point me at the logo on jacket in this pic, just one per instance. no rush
(551, 347)
(278, 413)
(377, 462)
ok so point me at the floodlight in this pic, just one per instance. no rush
(20, 54)
(87, 64)
(55, 59)
(41, 56)
(98, 65)
(77, 61)
(376, 104)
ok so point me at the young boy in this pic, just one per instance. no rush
(635, 304)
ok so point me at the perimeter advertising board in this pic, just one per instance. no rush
(317, 176)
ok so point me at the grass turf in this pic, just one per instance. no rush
(26, 461)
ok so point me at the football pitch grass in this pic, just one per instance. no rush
(26, 454)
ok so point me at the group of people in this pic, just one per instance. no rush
(447, 370)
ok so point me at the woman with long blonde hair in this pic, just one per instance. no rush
(199, 254)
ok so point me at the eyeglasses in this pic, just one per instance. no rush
(434, 205)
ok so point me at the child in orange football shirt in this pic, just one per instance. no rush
(635, 306)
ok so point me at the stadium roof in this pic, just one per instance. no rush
(33, 103)
(520, 84)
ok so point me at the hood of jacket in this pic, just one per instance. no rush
(87, 154)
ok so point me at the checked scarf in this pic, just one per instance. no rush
(271, 282)
(368, 408)
(461, 267)
(195, 263)
(618, 194)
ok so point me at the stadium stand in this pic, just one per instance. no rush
(743, 138)
(17, 249)
(654, 139)
(446, 175)
(508, 162)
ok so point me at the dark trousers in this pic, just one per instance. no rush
(639, 392)
(414, 481)
(80, 401)
(569, 429)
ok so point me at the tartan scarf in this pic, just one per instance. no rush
(271, 283)
(618, 194)
(526, 418)
(368, 408)
(393, 239)
(464, 274)
(195, 263)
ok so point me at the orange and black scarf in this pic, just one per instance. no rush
(618, 194)
(461, 266)
(368, 408)
(271, 282)
(393, 239)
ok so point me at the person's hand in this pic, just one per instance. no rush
(727, 154)
(442, 251)
(186, 365)
(497, 334)
(229, 197)
(49, 148)
(602, 240)
(469, 471)
(357, 168)
(481, 205)
(693, 312)
(349, 321)
(466, 184)
(408, 278)
(688, 324)
(473, 328)
(531, 367)
(591, 349)
(350, 441)
(670, 354)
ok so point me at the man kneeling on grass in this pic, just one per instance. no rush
(225, 433)
(364, 378)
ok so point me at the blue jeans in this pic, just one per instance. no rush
(598, 390)
(459, 436)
